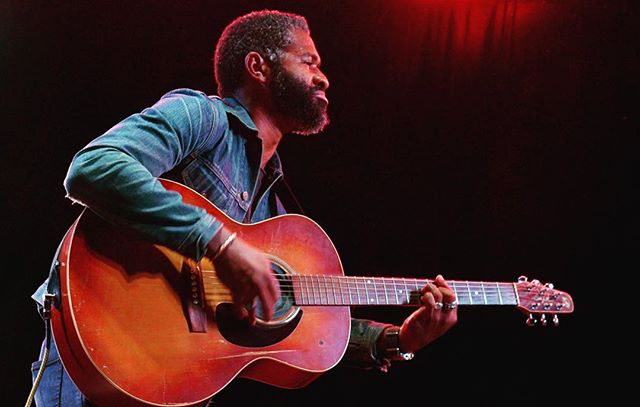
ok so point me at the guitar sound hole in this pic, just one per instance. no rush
(286, 317)
(284, 307)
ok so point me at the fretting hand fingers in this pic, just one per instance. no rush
(435, 317)
(432, 296)
(448, 295)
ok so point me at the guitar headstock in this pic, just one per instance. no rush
(540, 300)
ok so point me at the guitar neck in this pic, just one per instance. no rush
(342, 290)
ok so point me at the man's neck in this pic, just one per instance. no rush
(269, 130)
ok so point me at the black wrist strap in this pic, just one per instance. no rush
(392, 345)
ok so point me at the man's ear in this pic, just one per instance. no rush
(257, 67)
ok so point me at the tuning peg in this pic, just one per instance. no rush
(556, 320)
(543, 320)
(549, 286)
(522, 279)
(531, 321)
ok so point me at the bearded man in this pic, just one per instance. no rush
(270, 84)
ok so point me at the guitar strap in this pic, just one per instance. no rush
(288, 199)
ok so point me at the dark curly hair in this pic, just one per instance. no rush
(267, 32)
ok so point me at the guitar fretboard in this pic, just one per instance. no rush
(342, 290)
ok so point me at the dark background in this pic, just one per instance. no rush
(478, 139)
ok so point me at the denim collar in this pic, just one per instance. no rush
(234, 107)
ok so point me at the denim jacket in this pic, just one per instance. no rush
(206, 143)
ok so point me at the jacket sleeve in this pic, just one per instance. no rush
(115, 175)
(361, 351)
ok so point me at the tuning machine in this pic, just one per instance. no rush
(531, 320)
(543, 320)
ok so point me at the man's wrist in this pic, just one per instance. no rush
(388, 346)
(213, 248)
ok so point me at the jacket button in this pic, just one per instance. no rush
(245, 195)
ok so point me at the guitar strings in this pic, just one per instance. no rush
(348, 289)
(336, 289)
(377, 287)
(322, 279)
(340, 293)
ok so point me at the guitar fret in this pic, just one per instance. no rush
(333, 288)
(318, 286)
(372, 282)
(395, 291)
(322, 279)
(327, 293)
(346, 290)
(312, 290)
(384, 287)
(406, 291)
(326, 290)
(366, 290)
(310, 293)
(373, 290)
(455, 292)
(484, 294)
(350, 298)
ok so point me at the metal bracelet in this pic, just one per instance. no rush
(392, 348)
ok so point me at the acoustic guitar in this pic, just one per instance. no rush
(140, 325)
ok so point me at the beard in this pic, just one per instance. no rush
(295, 100)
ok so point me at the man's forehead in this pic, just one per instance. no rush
(302, 44)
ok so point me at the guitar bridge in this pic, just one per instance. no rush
(193, 300)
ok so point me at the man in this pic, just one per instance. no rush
(270, 84)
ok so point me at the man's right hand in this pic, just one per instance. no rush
(247, 273)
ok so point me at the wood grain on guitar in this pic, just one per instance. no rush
(140, 325)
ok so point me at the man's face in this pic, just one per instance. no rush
(298, 86)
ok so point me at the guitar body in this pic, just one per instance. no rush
(123, 326)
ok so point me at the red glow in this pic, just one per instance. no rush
(460, 33)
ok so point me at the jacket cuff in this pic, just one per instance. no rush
(361, 352)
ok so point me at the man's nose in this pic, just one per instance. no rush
(321, 81)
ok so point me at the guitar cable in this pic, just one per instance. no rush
(46, 316)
